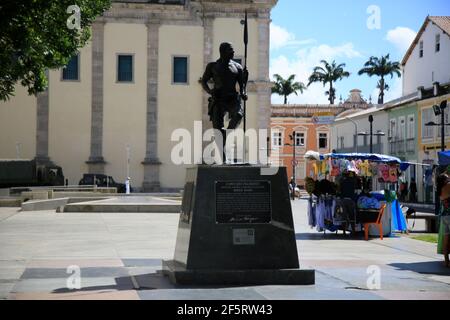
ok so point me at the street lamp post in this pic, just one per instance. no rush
(292, 138)
(293, 156)
(371, 134)
(440, 110)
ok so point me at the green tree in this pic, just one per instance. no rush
(381, 67)
(329, 73)
(39, 35)
(286, 87)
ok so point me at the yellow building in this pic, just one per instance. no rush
(430, 136)
(132, 85)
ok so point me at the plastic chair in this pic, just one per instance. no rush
(377, 222)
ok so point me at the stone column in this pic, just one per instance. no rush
(42, 110)
(96, 163)
(151, 162)
(208, 37)
(263, 82)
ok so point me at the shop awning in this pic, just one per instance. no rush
(363, 156)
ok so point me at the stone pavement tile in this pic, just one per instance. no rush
(11, 273)
(137, 271)
(423, 267)
(201, 294)
(90, 272)
(390, 279)
(6, 288)
(93, 295)
(7, 212)
(154, 280)
(162, 249)
(138, 262)
(23, 250)
(316, 293)
(70, 249)
(413, 295)
(444, 279)
(326, 288)
(82, 263)
(60, 285)
(315, 263)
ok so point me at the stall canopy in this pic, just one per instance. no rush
(363, 156)
(444, 158)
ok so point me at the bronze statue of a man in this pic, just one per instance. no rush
(225, 74)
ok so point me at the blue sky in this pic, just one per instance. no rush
(305, 32)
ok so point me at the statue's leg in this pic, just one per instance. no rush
(236, 112)
(218, 124)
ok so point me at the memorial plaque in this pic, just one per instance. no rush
(243, 236)
(243, 202)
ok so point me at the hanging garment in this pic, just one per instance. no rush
(374, 168)
(383, 172)
(393, 173)
(335, 167)
(316, 170)
(352, 167)
(343, 163)
(311, 213)
(320, 215)
(324, 167)
(364, 168)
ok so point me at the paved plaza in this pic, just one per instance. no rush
(119, 257)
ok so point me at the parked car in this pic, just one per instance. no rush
(101, 180)
(28, 173)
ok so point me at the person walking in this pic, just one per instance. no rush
(413, 191)
(292, 187)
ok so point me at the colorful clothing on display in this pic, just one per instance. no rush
(368, 203)
(393, 174)
(364, 168)
(383, 172)
(335, 167)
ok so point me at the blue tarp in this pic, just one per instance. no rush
(398, 219)
(444, 158)
(363, 156)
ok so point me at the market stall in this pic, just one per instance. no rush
(349, 190)
(443, 167)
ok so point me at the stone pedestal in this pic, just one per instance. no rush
(236, 228)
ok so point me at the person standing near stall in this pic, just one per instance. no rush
(443, 186)
(413, 190)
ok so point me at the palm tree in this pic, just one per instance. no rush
(286, 87)
(328, 74)
(381, 67)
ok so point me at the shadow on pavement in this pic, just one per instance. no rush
(429, 267)
(151, 281)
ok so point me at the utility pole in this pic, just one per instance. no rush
(371, 133)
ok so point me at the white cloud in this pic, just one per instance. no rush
(280, 37)
(401, 37)
(302, 66)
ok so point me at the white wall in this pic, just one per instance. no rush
(421, 71)
(346, 128)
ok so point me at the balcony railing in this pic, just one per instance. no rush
(402, 146)
(411, 145)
